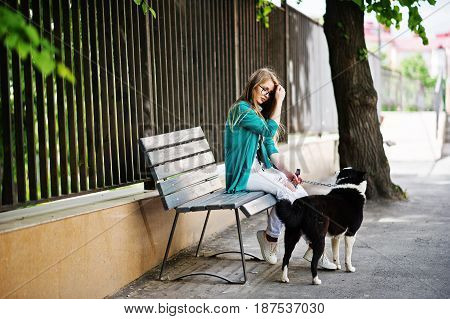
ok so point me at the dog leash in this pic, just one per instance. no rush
(297, 173)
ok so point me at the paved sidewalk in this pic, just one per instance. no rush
(401, 251)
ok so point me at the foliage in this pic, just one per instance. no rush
(263, 10)
(415, 68)
(17, 34)
(362, 54)
(145, 7)
(388, 13)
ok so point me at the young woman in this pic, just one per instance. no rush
(252, 161)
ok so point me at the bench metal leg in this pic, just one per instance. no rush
(203, 233)
(253, 257)
(238, 223)
(241, 246)
(174, 225)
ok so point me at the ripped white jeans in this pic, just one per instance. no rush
(273, 181)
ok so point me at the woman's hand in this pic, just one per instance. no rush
(280, 94)
(293, 178)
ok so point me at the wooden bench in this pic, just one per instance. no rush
(184, 169)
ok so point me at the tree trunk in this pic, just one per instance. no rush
(360, 140)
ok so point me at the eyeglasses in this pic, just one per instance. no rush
(266, 91)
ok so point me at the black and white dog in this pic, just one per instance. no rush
(337, 213)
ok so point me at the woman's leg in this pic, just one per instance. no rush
(274, 182)
(274, 224)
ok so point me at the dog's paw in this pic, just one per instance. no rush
(350, 268)
(338, 266)
(284, 276)
(316, 281)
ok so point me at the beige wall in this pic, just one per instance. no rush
(94, 254)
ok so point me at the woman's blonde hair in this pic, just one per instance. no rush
(257, 78)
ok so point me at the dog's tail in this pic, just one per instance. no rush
(288, 215)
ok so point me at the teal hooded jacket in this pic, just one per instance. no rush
(243, 130)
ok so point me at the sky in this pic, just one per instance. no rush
(436, 18)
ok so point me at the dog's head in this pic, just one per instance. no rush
(350, 175)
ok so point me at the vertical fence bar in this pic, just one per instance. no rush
(96, 95)
(39, 87)
(179, 65)
(88, 94)
(220, 76)
(137, 33)
(125, 90)
(132, 89)
(70, 99)
(149, 83)
(236, 49)
(7, 182)
(216, 82)
(185, 62)
(29, 117)
(174, 67)
(208, 71)
(60, 101)
(157, 41)
(103, 68)
(118, 84)
(193, 31)
(171, 116)
(205, 97)
(202, 98)
(111, 69)
(147, 53)
(51, 112)
(18, 121)
(79, 94)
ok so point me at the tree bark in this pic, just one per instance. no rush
(360, 139)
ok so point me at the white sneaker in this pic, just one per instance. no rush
(268, 249)
(324, 263)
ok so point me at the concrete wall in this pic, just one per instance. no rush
(90, 250)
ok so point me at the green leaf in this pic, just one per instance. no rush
(43, 61)
(145, 7)
(65, 72)
(360, 4)
(23, 49)
(12, 40)
(32, 34)
(138, 2)
(152, 12)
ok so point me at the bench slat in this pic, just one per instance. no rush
(206, 205)
(177, 151)
(190, 193)
(228, 200)
(258, 205)
(241, 201)
(182, 165)
(186, 207)
(174, 184)
(152, 142)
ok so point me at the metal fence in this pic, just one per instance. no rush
(397, 92)
(311, 103)
(138, 76)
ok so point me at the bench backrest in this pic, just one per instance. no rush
(182, 165)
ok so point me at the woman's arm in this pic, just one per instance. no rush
(276, 159)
